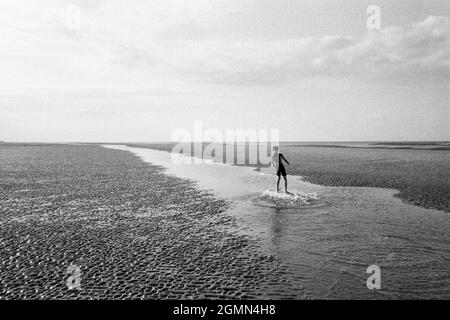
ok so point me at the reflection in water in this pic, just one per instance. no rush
(276, 229)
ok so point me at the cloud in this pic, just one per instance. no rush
(45, 44)
(422, 49)
(57, 44)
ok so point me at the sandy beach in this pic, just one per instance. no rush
(133, 231)
(328, 247)
(140, 227)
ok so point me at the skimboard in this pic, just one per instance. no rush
(290, 200)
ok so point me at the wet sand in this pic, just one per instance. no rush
(328, 248)
(133, 231)
(138, 230)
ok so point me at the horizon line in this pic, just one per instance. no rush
(283, 141)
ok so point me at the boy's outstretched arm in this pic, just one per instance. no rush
(284, 159)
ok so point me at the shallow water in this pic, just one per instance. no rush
(329, 247)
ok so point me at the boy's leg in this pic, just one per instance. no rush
(278, 183)
(285, 183)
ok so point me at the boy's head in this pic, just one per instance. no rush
(275, 148)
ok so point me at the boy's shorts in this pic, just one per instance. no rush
(281, 171)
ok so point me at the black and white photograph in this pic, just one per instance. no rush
(224, 151)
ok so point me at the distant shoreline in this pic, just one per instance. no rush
(376, 146)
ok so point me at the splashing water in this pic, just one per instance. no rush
(290, 200)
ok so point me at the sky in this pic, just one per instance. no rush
(116, 70)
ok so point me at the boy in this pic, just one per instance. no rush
(277, 162)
